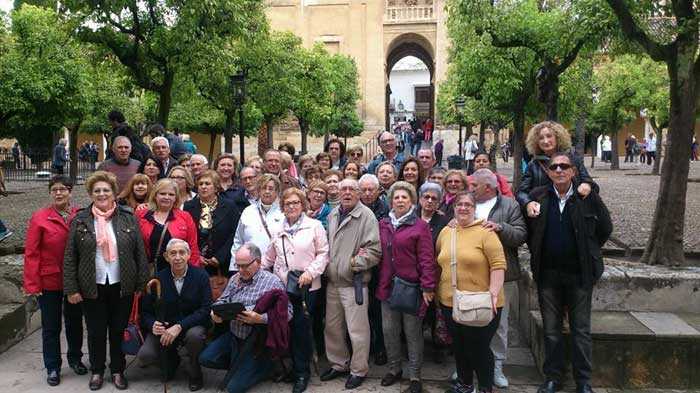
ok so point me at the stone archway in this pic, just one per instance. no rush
(410, 44)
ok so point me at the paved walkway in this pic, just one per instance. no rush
(21, 371)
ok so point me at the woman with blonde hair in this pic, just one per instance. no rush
(136, 192)
(185, 183)
(254, 162)
(162, 221)
(455, 181)
(543, 140)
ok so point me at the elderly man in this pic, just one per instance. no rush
(369, 195)
(387, 142)
(177, 147)
(247, 193)
(503, 216)
(354, 249)
(272, 163)
(427, 158)
(564, 239)
(232, 350)
(185, 301)
(198, 164)
(123, 167)
(161, 150)
(436, 175)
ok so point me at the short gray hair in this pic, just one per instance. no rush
(487, 175)
(431, 187)
(253, 250)
(121, 138)
(200, 157)
(370, 178)
(160, 139)
(354, 182)
(175, 241)
(387, 133)
(432, 153)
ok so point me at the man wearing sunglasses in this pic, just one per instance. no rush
(389, 146)
(564, 241)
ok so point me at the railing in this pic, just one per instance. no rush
(418, 13)
(35, 165)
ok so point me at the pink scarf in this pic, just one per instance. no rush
(449, 198)
(109, 248)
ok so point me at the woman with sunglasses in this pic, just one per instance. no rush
(355, 154)
(543, 140)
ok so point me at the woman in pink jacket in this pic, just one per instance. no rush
(43, 277)
(302, 246)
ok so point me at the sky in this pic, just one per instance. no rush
(6, 5)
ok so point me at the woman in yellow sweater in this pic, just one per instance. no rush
(481, 265)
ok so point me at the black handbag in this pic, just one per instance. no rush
(405, 295)
(293, 289)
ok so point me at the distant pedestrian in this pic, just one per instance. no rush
(505, 148)
(59, 156)
(471, 146)
(643, 151)
(189, 145)
(629, 148)
(694, 150)
(15, 155)
(607, 149)
(651, 149)
(4, 232)
(438, 151)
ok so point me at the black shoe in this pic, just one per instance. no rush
(79, 368)
(550, 386)
(96, 381)
(119, 381)
(459, 387)
(195, 383)
(380, 358)
(332, 374)
(584, 389)
(300, 384)
(54, 378)
(354, 381)
(390, 379)
(415, 387)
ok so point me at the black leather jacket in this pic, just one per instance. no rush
(535, 176)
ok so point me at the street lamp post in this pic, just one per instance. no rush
(346, 128)
(459, 106)
(239, 84)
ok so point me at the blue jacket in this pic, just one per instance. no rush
(397, 161)
(189, 308)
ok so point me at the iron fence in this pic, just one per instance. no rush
(35, 165)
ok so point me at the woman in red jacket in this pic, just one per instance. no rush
(164, 221)
(43, 278)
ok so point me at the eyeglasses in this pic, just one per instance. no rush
(242, 266)
(465, 205)
(292, 203)
(318, 192)
(358, 154)
(56, 190)
(564, 166)
(178, 177)
(429, 197)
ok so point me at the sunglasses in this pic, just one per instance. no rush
(564, 166)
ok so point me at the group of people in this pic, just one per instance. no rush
(644, 149)
(339, 258)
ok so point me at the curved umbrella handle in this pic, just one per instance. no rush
(151, 283)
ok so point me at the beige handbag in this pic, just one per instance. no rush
(468, 308)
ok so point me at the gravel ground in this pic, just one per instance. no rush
(630, 194)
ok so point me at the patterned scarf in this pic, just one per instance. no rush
(109, 248)
(292, 229)
(205, 219)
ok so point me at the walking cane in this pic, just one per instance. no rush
(162, 355)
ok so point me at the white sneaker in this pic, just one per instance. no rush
(454, 378)
(499, 379)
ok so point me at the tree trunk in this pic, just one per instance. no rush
(493, 151)
(518, 146)
(73, 151)
(594, 149)
(482, 134)
(326, 137)
(262, 139)
(548, 82)
(659, 146)
(304, 128)
(166, 98)
(665, 244)
(270, 124)
(212, 141)
(580, 146)
(228, 132)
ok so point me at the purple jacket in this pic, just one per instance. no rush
(414, 257)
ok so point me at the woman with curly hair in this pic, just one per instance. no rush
(543, 140)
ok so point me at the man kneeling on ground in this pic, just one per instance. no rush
(185, 303)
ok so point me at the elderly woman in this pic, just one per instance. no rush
(103, 266)
(136, 192)
(407, 256)
(260, 222)
(313, 174)
(43, 277)
(352, 170)
(152, 168)
(216, 219)
(482, 160)
(543, 140)
(318, 208)
(323, 160)
(162, 221)
(225, 167)
(386, 173)
(254, 162)
(332, 179)
(301, 249)
(480, 267)
(412, 172)
(429, 198)
(305, 162)
(185, 161)
(455, 182)
(185, 183)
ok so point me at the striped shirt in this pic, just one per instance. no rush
(124, 173)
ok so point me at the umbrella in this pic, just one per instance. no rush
(314, 354)
(160, 317)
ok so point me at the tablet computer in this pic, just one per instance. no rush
(228, 311)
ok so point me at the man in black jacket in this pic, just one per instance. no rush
(183, 316)
(564, 241)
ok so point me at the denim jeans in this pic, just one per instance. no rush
(555, 291)
(53, 304)
(300, 332)
(395, 322)
(223, 352)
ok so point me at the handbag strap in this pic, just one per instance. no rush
(284, 251)
(160, 241)
(262, 219)
(453, 258)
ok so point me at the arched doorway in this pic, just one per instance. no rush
(419, 47)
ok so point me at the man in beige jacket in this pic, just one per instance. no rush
(354, 248)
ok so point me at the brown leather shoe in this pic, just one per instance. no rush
(119, 381)
(96, 381)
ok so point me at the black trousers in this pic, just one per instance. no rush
(651, 156)
(53, 305)
(556, 290)
(374, 308)
(472, 349)
(108, 313)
